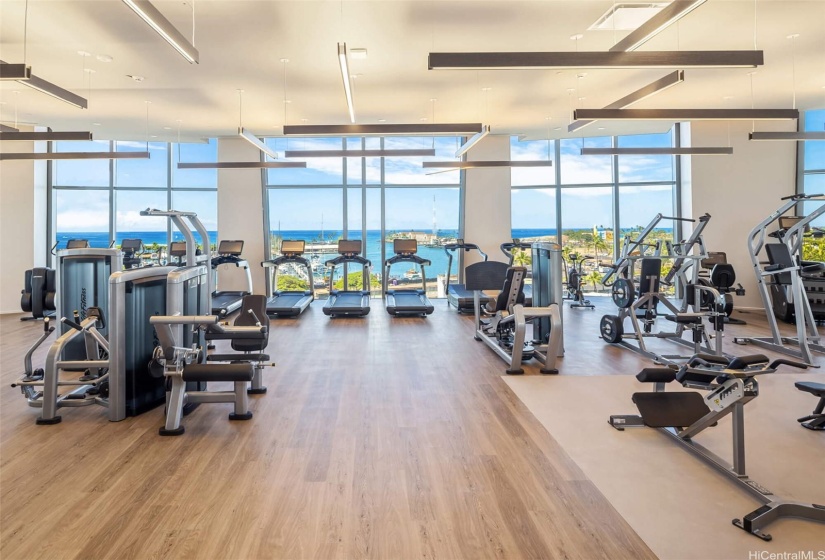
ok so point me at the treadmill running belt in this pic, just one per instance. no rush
(348, 300)
(408, 301)
(284, 301)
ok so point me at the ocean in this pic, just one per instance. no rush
(434, 254)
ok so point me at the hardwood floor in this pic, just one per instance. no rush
(379, 437)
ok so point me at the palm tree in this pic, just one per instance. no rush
(593, 278)
(522, 257)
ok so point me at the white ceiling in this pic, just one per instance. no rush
(241, 43)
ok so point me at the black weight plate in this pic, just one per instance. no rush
(623, 293)
(611, 328)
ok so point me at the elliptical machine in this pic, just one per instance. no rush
(575, 281)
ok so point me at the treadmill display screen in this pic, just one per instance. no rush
(292, 247)
(133, 245)
(177, 249)
(77, 244)
(405, 246)
(234, 248)
(349, 246)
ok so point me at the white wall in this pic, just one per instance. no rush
(240, 213)
(22, 222)
(487, 200)
(739, 190)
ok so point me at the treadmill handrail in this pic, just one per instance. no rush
(507, 247)
(408, 258)
(341, 259)
(449, 248)
(283, 259)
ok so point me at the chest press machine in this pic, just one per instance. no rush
(638, 299)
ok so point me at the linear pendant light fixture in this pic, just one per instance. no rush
(472, 142)
(485, 164)
(672, 13)
(48, 88)
(255, 141)
(73, 155)
(44, 136)
(650, 89)
(344, 64)
(791, 136)
(15, 71)
(594, 59)
(446, 129)
(703, 151)
(685, 114)
(423, 152)
(243, 165)
(164, 28)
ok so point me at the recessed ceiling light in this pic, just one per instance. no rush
(486, 89)
(382, 120)
(284, 60)
(287, 101)
(358, 53)
(167, 128)
(104, 58)
(96, 123)
(355, 76)
(422, 119)
(576, 37)
(135, 78)
(557, 128)
(90, 70)
(601, 128)
(153, 136)
(84, 53)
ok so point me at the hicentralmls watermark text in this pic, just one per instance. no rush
(798, 555)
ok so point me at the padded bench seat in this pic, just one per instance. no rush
(816, 389)
(218, 372)
(686, 318)
(238, 358)
(670, 410)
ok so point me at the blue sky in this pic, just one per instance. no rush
(406, 208)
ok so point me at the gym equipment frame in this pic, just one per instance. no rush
(807, 338)
(684, 415)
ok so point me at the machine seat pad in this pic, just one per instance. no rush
(816, 389)
(670, 410)
(218, 372)
(238, 357)
(685, 318)
(710, 358)
(656, 375)
(238, 336)
(742, 362)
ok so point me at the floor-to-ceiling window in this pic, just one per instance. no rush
(812, 179)
(372, 199)
(589, 203)
(101, 200)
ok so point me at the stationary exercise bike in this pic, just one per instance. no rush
(575, 280)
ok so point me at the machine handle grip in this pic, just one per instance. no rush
(71, 323)
(257, 319)
(784, 362)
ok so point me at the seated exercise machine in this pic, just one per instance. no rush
(719, 274)
(406, 301)
(289, 303)
(509, 249)
(575, 281)
(506, 331)
(181, 365)
(815, 420)
(250, 346)
(348, 303)
(457, 294)
(39, 292)
(787, 274)
(730, 385)
(813, 281)
(638, 299)
(225, 302)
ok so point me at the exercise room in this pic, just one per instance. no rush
(412, 279)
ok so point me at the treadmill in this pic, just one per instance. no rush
(457, 294)
(407, 301)
(348, 303)
(288, 303)
(507, 249)
(228, 301)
